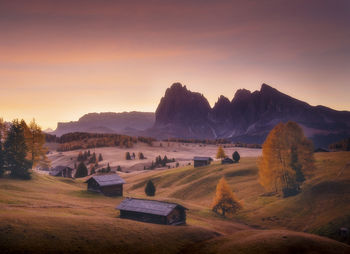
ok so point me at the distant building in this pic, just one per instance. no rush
(201, 161)
(152, 211)
(321, 150)
(227, 161)
(109, 185)
(63, 171)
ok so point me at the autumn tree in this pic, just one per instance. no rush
(16, 152)
(36, 144)
(236, 157)
(150, 189)
(82, 170)
(220, 153)
(287, 158)
(225, 201)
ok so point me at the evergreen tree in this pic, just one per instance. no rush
(100, 157)
(133, 156)
(93, 158)
(220, 153)
(88, 153)
(150, 189)
(236, 157)
(127, 156)
(16, 152)
(119, 168)
(287, 157)
(141, 156)
(82, 170)
(108, 168)
(80, 157)
(225, 201)
(2, 155)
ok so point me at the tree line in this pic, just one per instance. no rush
(21, 148)
(84, 140)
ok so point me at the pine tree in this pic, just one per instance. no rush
(225, 201)
(16, 152)
(236, 157)
(82, 170)
(119, 168)
(141, 156)
(127, 156)
(150, 189)
(108, 168)
(220, 153)
(2, 155)
(287, 158)
(100, 157)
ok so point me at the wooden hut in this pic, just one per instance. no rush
(201, 161)
(63, 171)
(227, 161)
(109, 185)
(152, 211)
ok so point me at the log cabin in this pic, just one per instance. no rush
(152, 211)
(63, 171)
(201, 161)
(109, 185)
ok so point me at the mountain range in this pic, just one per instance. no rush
(247, 118)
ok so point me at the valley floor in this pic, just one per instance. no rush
(57, 215)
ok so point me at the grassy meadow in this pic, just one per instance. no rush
(57, 215)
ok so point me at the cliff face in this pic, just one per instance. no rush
(248, 117)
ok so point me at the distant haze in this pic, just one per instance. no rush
(62, 59)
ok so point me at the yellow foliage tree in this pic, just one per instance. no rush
(220, 153)
(287, 158)
(35, 141)
(225, 201)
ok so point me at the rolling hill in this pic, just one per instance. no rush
(59, 210)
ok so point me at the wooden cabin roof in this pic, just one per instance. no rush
(107, 180)
(148, 206)
(198, 158)
(58, 169)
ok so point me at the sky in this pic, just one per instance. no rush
(62, 59)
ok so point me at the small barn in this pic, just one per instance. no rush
(63, 171)
(201, 161)
(227, 161)
(152, 211)
(109, 185)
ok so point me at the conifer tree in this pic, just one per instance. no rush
(127, 156)
(150, 189)
(2, 154)
(287, 158)
(108, 168)
(236, 157)
(16, 151)
(220, 153)
(119, 168)
(225, 201)
(100, 157)
(82, 170)
(141, 156)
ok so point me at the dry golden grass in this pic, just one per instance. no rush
(57, 215)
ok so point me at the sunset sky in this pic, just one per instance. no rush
(62, 59)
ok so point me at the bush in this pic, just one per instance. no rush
(236, 157)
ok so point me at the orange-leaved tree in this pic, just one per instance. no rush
(287, 158)
(220, 153)
(225, 201)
